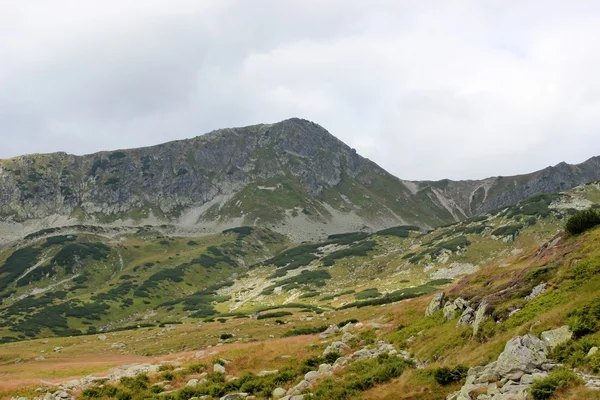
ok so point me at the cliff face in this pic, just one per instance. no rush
(292, 176)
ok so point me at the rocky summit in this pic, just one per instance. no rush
(292, 176)
(274, 262)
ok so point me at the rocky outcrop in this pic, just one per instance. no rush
(436, 304)
(524, 359)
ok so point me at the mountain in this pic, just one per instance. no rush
(293, 177)
(245, 312)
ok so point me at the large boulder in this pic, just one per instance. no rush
(557, 336)
(436, 304)
(219, 368)
(336, 347)
(522, 353)
(466, 317)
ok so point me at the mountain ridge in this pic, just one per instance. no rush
(293, 176)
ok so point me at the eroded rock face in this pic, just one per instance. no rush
(451, 309)
(479, 316)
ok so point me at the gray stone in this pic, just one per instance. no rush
(479, 316)
(278, 393)
(102, 337)
(347, 337)
(268, 372)
(557, 336)
(325, 368)
(466, 317)
(592, 351)
(192, 382)
(522, 353)
(234, 396)
(336, 347)
(527, 379)
(536, 291)
(311, 375)
(219, 368)
(436, 304)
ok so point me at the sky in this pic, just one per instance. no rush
(459, 89)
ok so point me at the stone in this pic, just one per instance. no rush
(268, 372)
(102, 337)
(40, 358)
(192, 382)
(522, 353)
(451, 308)
(536, 291)
(234, 396)
(200, 354)
(311, 375)
(466, 317)
(348, 327)
(219, 368)
(592, 351)
(278, 393)
(347, 337)
(304, 384)
(57, 349)
(479, 316)
(436, 304)
(557, 336)
(329, 331)
(527, 379)
(336, 347)
(325, 368)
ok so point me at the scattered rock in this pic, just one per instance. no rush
(557, 336)
(466, 317)
(329, 331)
(311, 376)
(269, 372)
(102, 337)
(234, 396)
(347, 337)
(436, 304)
(40, 358)
(336, 347)
(219, 368)
(592, 351)
(522, 353)
(451, 308)
(200, 354)
(57, 349)
(479, 316)
(536, 291)
(278, 393)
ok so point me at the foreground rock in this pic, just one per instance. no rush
(524, 359)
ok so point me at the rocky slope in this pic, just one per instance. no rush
(292, 176)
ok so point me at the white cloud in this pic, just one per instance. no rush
(428, 89)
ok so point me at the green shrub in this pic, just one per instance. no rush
(226, 336)
(544, 388)
(367, 294)
(139, 382)
(582, 221)
(507, 230)
(276, 314)
(448, 375)
(357, 250)
(306, 331)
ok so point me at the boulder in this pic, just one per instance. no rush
(278, 393)
(219, 368)
(479, 316)
(557, 336)
(436, 304)
(348, 327)
(536, 291)
(102, 337)
(336, 347)
(325, 368)
(521, 353)
(592, 351)
(192, 383)
(268, 372)
(311, 376)
(329, 331)
(347, 337)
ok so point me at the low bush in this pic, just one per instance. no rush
(306, 331)
(545, 388)
(582, 221)
(448, 375)
(276, 314)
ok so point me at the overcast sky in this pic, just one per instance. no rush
(427, 89)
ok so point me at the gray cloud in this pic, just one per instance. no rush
(427, 89)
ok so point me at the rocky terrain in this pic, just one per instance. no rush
(292, 176)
